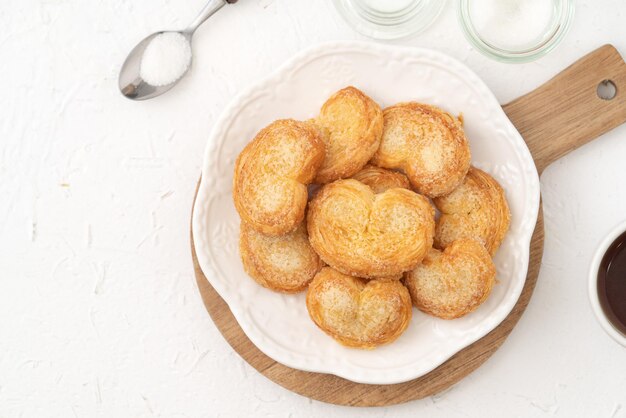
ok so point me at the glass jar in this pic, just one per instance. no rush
(515, 30)
(389, 19)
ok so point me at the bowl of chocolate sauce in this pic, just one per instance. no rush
(607, 284)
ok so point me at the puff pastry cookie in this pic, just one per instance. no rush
(284, 263)
(357, 312)
(272, 174)
(476, 209)
(364, 234)
(380, 179)
(351, 125)
(452, 283)
(426, 143)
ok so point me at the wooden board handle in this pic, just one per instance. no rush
(566, 112)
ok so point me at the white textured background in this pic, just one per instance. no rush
(99, 311)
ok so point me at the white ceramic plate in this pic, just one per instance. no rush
(278, 324)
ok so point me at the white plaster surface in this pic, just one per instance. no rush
(99, 311)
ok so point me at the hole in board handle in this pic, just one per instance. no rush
(606, 90)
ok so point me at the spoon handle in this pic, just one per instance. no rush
(211, 7)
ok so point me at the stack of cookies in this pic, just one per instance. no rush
(345, 205)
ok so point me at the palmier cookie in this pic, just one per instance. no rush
(351, 124)
(476, 209)
(381, 179)
(272, 174)
(452, 283)
(370, 235)
(427, 144)
(284, 263)
(357, 312)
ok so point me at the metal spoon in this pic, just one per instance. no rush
(130, 82)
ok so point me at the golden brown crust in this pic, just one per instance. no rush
(452, 283)
(380, 179)
(476, 209)
(427, 144)
(356, 312)
(370, 235)
(272, 174)
(284, 263)
(351, 124)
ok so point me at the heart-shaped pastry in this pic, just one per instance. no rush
(452, 283)
(357, 312)
(284, 263)
(380, 179)
(272, 174)
(351, 124)
(370, 235)
(427, 144)
(476, 209)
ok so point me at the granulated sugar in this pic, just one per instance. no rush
(166, 59)
(512, 24)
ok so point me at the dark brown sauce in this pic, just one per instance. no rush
(612, 283)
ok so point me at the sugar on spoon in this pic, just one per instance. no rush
(160, 60)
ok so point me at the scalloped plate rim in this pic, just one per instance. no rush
(351, 372)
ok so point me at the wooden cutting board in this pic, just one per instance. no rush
(554, 119)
